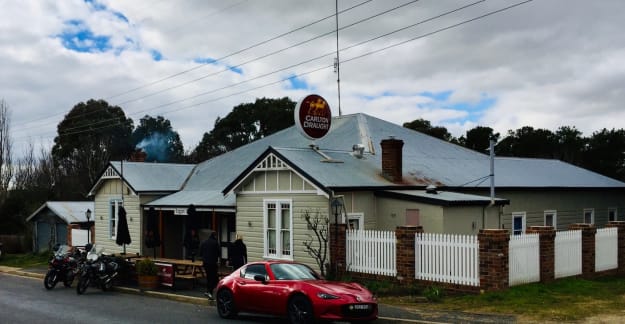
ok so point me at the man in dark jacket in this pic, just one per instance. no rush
(210, 251)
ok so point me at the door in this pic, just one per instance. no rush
(518, 223)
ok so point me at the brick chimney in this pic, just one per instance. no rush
(392, 159)
(138, 156)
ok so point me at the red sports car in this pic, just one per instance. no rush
(293, 290)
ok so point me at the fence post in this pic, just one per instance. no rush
(405, 251)
(337, 249)
(620, 225)
(494, 254)
(547, 239)
(588, 247)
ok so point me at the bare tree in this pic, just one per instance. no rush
(6, 167)
(317, 245)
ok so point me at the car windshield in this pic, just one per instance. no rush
(293, 271)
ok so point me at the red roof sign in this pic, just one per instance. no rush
(313, 116)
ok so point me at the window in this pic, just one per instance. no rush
(518, 223)
(113, 210)
(355, 221)
(589, 216)
(254, 269)
(278, 229)
(612, 214)
(550, 218)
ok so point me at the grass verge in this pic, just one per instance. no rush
(25, 260)
(569, 299)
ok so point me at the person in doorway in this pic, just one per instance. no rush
(191, 244)
(239, 253)
(210, 251)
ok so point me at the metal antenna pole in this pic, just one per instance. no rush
(337, 63)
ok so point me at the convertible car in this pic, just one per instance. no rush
(292, 290)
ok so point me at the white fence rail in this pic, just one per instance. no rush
(568, 253)
(524, 259)
(371, 252)
(606, 249)
(447, 258)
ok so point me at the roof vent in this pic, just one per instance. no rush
(431, 189)
(358, 150)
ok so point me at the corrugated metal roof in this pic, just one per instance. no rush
(70, 211)
(426, 160)
(154, 176)
(195, 197)
(447, 198)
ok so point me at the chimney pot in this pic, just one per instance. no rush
(138, 156)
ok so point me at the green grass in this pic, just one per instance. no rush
(25, 260)
(570, 299)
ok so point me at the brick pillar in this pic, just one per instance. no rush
(547, 237)
(405, 251)
(337, 249)
(494, 247)
(588, 247)
(621, 243)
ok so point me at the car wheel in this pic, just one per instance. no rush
(50, 280)
(225, 304)
(300, 310)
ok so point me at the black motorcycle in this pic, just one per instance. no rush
(99, 270)
(62, 267)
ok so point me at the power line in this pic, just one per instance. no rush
(346, 61)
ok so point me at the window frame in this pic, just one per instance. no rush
(610, 210)
(554, 220)
(521, 215)
(114, 205)
(279, 230)
(592, 215)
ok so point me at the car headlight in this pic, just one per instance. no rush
(326, 296)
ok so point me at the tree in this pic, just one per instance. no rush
(159, 141)
(425, 127)
(6, 166)
(317, 246)
(246, 123)
(605, 153)
(478, 139)
(90, 135)
(528, 142)
(571, 145)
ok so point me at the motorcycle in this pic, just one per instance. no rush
(0, 250)
(62, 267)
(98, 269)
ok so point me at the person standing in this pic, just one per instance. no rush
(210, 251)
(239, 253)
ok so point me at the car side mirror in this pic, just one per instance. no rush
(260, 278)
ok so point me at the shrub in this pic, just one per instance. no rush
(433, 294)
(146, 267)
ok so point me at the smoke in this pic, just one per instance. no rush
(156, 146)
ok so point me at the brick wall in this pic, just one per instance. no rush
(494, 251)
(588, 247)
(621, 244)
(547, 237)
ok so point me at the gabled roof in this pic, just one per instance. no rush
(330, 163)
(70, 211)
(144, 177)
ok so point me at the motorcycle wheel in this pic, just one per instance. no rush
(107, 285)
(50, 280)
(83, 283)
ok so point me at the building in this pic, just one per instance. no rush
(380, 174)
(51, 220)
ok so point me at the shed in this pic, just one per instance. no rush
(51, 220)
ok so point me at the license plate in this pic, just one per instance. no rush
(361, 306)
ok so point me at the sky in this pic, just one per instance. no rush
(459, 64)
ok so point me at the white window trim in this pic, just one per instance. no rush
(523, 218)
(555, 218)
(615, 213)
(359, 217)
(113, 216)
(592, 215)
(278, 254)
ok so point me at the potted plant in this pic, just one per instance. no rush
(147, 274)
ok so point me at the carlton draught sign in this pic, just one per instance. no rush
(313, 116)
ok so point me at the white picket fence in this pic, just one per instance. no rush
(371, 252)
(447, 258)
(568, 253)
(606, 249)
(524, 259)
